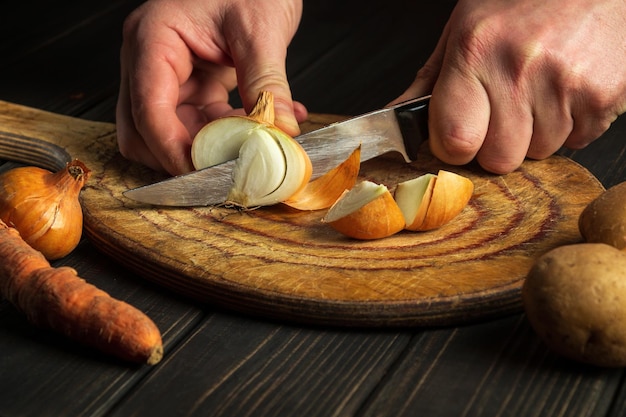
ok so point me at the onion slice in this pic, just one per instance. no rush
(322, 192)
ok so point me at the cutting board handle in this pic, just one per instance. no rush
(48, 140)
(32, 151)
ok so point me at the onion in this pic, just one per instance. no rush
(438, 199)
(270, 166)
(367, 211)
(322, 192)
(44, 207)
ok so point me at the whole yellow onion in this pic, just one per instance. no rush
(44, 206)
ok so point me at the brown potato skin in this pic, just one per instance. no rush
(575, 299)
(604, 219)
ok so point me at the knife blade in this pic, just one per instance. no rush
(400, 128)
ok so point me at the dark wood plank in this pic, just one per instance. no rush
(252, 368)
(238, 366)
(31, 26)
(494, 368)
(618, 408)
(40, 368)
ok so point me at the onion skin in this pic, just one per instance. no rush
(322, 192)
(377, 219)
(44, 206)
(450, 194)
(431, 204)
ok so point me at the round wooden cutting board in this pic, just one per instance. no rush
(281, 263)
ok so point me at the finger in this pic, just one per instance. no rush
(300, 111)
(459, 113)
(131, 144)
(208, 84)
(589, 124)
(155, 74)
(552, 124)
(269, 78)
(261, 67)
(208, 90)
(585, 131)
(508, 137)
(204, 96)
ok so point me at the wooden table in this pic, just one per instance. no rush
(348, 57)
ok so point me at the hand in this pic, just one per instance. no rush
(515, 79)
(180, 59)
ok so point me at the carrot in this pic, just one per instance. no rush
(58, 299)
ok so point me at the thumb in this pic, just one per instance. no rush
(262, 68)
(459, 113)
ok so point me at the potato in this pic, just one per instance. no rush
(575, 299)
(604, 219)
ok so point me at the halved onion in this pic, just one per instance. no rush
(220, 140)
(428, 202)
(270, 165)
(269, 170)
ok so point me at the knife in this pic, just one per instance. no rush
(400, 128)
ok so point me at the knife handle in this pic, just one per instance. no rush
(412, 116)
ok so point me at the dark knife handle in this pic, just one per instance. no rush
(412, 116)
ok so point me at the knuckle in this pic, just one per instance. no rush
(429, 72)
(586, 132)
(457, 144)
(499, 164)
(541, 151)
(477, 37)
